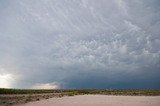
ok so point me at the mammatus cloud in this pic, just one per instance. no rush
(80, 44)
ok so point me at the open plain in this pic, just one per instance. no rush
(99, 100)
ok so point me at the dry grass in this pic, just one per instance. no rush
(20, 96)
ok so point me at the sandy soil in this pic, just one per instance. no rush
(16, 99)
(99, 100)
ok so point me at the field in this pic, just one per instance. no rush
(83, 91)
(22, 96)
(98, 100)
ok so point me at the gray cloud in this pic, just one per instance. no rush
(80, 44)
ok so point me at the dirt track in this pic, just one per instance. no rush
(99, 100)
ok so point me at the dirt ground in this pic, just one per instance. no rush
(98, 100)
(16, 99)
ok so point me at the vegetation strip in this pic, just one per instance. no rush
(83, 91)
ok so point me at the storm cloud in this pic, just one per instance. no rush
(80, 44)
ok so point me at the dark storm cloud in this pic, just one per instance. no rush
(80, 44)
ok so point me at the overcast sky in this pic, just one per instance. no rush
(70, 44)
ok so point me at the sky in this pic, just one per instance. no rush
(80, 44)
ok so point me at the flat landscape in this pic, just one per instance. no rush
(14, 97)
(79, 52)
(99, 100)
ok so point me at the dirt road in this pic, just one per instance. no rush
(99, 100)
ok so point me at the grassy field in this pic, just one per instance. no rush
(83, 91)
(26, 91)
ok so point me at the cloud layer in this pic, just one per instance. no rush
(80, 43)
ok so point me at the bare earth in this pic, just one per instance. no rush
(17, 99)
(98, 100)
